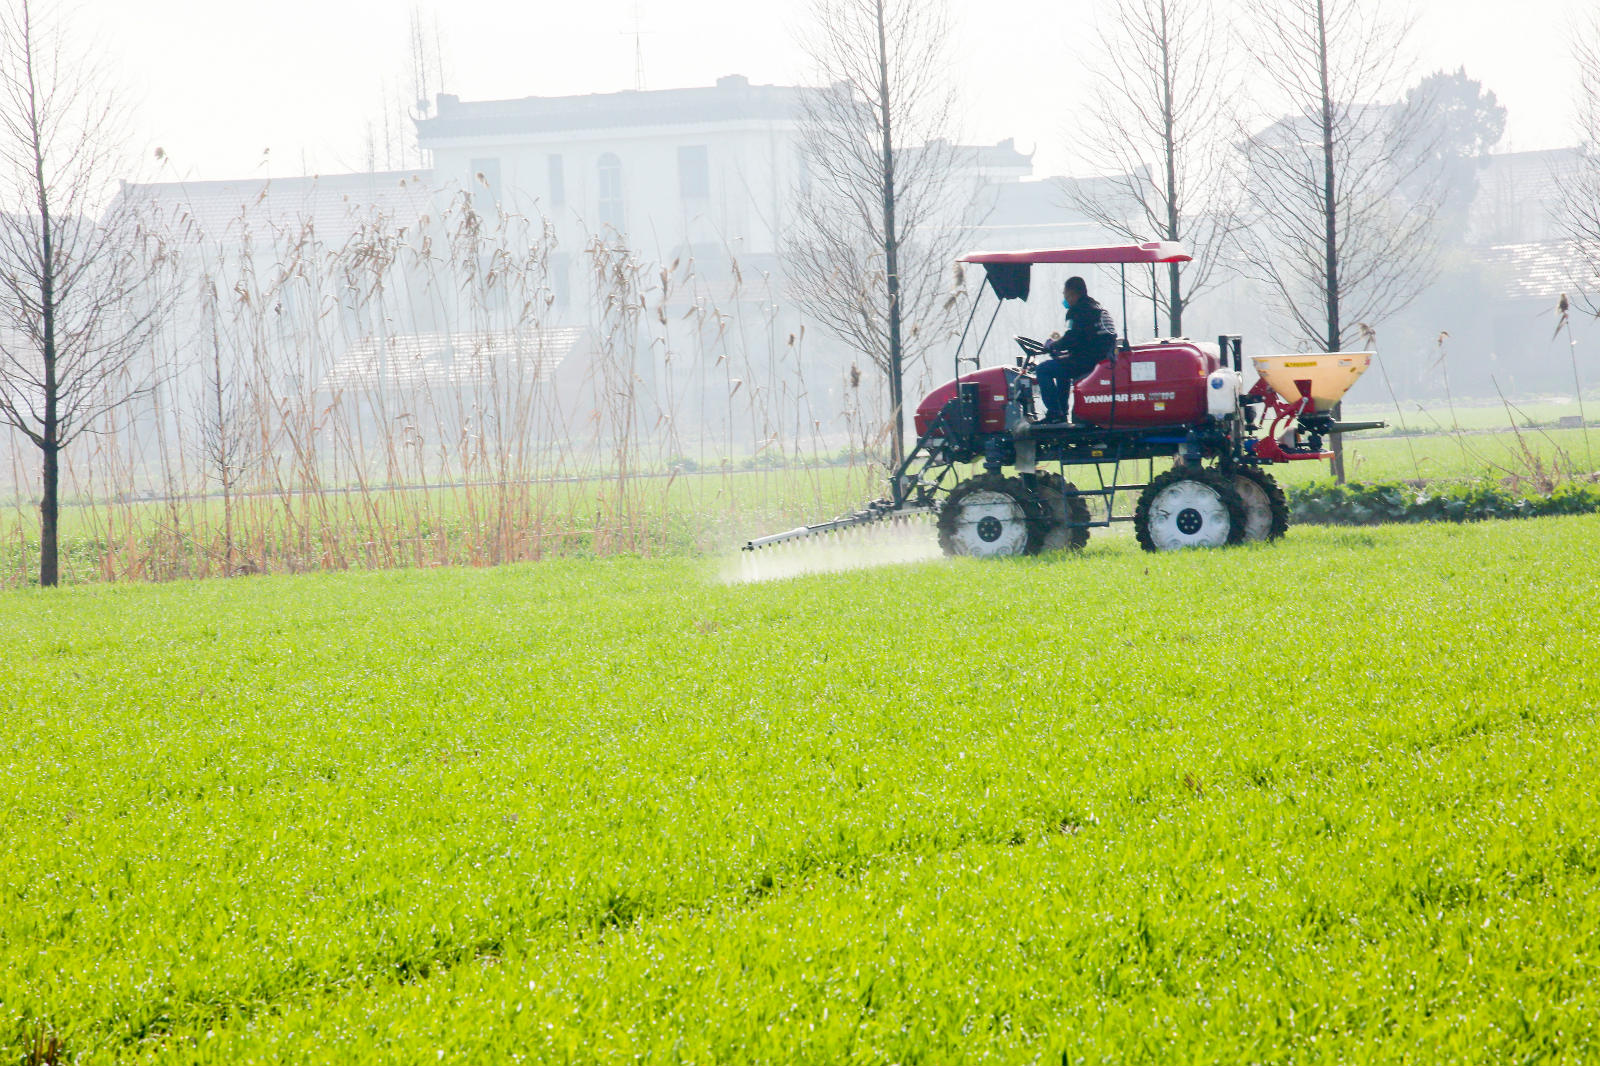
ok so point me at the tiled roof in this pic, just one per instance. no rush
(1516, 193)
(1536, 270)
(452, 360)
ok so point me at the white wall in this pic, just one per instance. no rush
(751, 166)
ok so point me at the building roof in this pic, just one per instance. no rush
(1516, 193)
(731, 99)
(1533, 270)
(329, 202)
(997, 158)
(451, 360)
(1307, 129)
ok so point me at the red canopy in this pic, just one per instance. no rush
(1154, 252)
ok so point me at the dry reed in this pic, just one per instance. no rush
(424, 392)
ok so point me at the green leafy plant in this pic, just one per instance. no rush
(1358, 504)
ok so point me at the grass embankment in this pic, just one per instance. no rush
(1329, 800)
(453, 525)
(366, 526)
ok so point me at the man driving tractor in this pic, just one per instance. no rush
(1090, 337)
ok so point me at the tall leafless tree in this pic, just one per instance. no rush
(877, 217)
(1159, 125)
(76, 298)
(390, 141)
(1340, 214)
(1577, 205)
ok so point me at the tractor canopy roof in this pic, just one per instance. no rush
(1009, 272)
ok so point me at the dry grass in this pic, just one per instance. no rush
(301, 424)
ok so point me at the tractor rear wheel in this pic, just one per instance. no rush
(1188, 507)
(1266, 510)
(1065, 515)
(989, 516)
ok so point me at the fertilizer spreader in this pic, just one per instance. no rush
(1171, 398)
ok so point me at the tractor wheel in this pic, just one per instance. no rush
(1189, 508)
(1266, 511)
(989, 516)
(1061, 509)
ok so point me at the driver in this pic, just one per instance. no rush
(1091, 336)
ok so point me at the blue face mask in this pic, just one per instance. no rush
(1067, 304)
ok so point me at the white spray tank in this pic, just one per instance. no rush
(1222, 393)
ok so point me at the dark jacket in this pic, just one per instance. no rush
(1090, 336)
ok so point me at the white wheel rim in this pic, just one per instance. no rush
(1257, 508)
(1189, 514)
(989, 523)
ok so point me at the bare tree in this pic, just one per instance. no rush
(1159, 129)
(1577, 206)
(76, 302)
(390, 139)
(221, 414)
(878, 215)
(1339, 231)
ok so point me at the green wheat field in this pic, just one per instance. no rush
(1329, 800)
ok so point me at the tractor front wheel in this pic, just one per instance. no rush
(989, 516)
(1188, 507)
(1266, 510)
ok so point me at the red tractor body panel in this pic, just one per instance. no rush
(994, 384)
(1156, 385)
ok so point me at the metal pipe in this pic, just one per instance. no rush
(1155, 306)
(970, 316)
(1124, 268)
(860, 518)
(1111, 422)
(986, 331)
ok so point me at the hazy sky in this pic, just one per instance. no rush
(214, 82)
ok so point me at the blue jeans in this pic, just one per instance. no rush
(1055, 388)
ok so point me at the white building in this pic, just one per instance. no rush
(694, 182)
(676, 173)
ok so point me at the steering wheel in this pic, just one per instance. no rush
(1032, 351)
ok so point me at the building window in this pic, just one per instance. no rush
(486, 184)
(694, 172)
(611, 192)
(558, 182)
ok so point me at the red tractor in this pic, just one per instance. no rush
(1165, 399)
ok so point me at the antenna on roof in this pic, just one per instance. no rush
(637, 33)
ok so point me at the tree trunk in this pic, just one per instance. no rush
(49, 517)
(224, 440)
(1330, 219)
(1169, 143)
(891, 253)
(50, 437)
(1175, 305)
